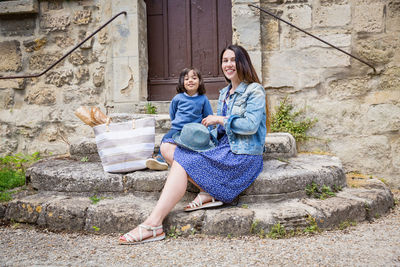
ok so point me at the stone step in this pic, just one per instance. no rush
(120, 213)
(279, 180)
(162, 106)
(277, 145)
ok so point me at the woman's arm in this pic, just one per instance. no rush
(249, 122)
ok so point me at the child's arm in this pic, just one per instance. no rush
(172, 108)
(207, 109)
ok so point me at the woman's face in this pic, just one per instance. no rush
(228, 65)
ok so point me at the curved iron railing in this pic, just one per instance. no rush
(319, 39)
(67, 54)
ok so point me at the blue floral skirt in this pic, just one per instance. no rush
(220, 172)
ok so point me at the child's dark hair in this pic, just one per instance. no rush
(180, 88)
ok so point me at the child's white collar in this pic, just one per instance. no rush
(186, 94)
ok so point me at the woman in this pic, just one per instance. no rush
(223, 172)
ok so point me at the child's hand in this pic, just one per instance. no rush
(212, 120)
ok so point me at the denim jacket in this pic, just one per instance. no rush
(245, 124)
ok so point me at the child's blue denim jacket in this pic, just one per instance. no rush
(245, 124)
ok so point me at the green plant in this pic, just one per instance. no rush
(94, 199)
(285, 120)
(253, 227)
(312, 225)
(96, 229)
(346, 224)
(84, 159)
(150, 108)
(12, 173)
(174, 232)
(277, 231)
(321, 192)
(245, 206)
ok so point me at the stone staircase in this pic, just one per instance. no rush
(75, 195)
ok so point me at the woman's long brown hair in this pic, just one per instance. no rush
(244, 67)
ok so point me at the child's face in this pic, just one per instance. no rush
(191, 83)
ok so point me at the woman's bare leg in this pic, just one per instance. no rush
(167, 151)
(173, 191)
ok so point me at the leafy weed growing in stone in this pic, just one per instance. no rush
(321, 192)
(346, 224)
(12, 173)
(150, 108)
(84, 159)
(285, 120)
(277, 231)
(312, 227)
(174, 232)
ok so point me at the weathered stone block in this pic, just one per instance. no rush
(25, 25)
(349, 88)
(379, 50)
(56, 21)
(26, 210)
(64, 41)
(299, 15)
(336, 210)
(393, 16)
(80, 57)
(232, 221)
(6, 99)
(59, 78)
(369, 18)
(305, 41)
(74, 176)
(333, 16)
(82, 17)
(110, 216)
(41, 96)
(269, 33)
(84, 148)
(145, 181)
(41, 61)
(246, 23)
(65, 214)
(98, 77)
(13, 84)
(19, 7)
(383, 118)
(369, 153)
(10, 56)
(35, 45)
(395, 145)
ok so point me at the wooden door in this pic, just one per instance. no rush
(186, 33)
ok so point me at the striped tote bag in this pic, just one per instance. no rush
(125, 146)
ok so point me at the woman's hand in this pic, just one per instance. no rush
(213, 120)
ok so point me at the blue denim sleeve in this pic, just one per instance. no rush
(249, 123)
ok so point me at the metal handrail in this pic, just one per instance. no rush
(67, 54)
(319, 39)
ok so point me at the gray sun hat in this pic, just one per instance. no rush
(195, 136)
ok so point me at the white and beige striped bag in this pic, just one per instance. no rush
(125, 146)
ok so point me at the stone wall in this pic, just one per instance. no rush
(37, 113)
(358, 111)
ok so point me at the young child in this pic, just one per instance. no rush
(189, 105)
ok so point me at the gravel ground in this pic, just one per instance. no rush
(366, 244)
